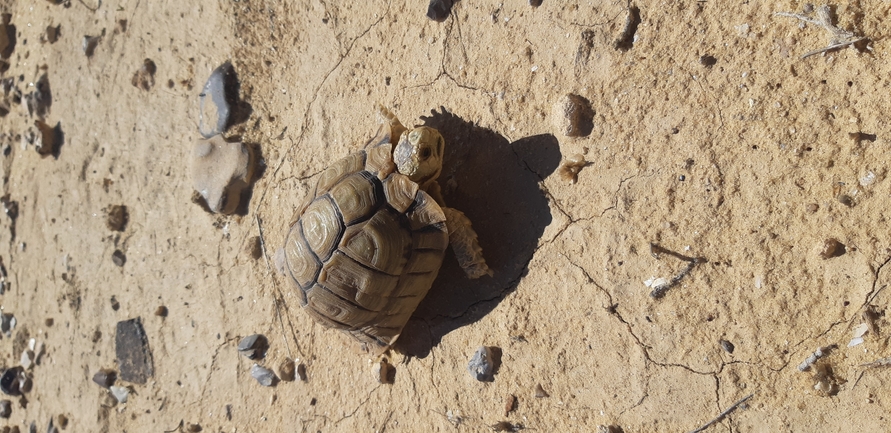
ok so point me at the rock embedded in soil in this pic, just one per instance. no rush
(134, 356)
(5, 408)
(217, 101)
(384, 372)
(253, 346)
(482, 364)
(301, 371)
(540, 392)
(573, 116)
(221, 171)
(263, 375)
(832, 248)
(89, 44)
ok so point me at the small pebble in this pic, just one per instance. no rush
(27, 359)
(49, 321)
(253, 346)
(144, 78)
(115, 305)
(105, 377)
(216, 100)
(46, 141)
(439, 10)
(540, 392)
(62, 421)
(120, 393)
(117, 218)
(89, 44)
(51, 34)
(301, 371)
(573, 116)
(7, 323)
(832, 248)
(609, 429)
(9, 381)
(287, 370)
(727, 346)
(5, 408)
(813, 207)
(161, 311)
(506, 426)
(193, 428)
(118, 258)
(535, 3)
(263, 375)
(481, 365)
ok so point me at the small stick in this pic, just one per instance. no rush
(660, 289)
(723, 414)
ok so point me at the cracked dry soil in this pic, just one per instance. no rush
(740, 160)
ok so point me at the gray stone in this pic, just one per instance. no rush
(120, 393)
(132, 350)
(482, 364)
(253, 346)
(217, 101)
(263, 375)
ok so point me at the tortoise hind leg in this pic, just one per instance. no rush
(464, 243)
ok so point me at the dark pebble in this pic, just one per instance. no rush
(105, 377)
(287, 370)
(253, 346)
(161, 311)
(118, 258)
(832, 248)
(263, 375)
(9, 382)
(439, 10)
(728, 346)
(5, 408)
(846, 200)
(132, 351)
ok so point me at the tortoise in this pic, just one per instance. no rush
(365, 248)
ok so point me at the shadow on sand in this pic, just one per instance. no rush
(495, 183)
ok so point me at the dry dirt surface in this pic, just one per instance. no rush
(720, 163)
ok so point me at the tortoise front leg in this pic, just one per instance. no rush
(463, 240)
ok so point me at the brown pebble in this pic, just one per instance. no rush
(846, 200)
(117, 218)
(62, 421)
(5, 408)
(49, 321)
(287, 370)
(506, 426)
(510, 404)
(301, 372)
(161, 311)
(535, 3)
(832, 248)
(813, 207)
(193, 428)
(254, 247)
(540, 392)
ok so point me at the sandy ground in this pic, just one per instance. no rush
(741, 163)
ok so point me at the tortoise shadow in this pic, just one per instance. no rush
(496, 184)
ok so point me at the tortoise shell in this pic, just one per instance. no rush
(366, 247)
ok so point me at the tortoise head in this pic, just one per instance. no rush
(418, 154)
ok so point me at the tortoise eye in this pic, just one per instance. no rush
(425, 153)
